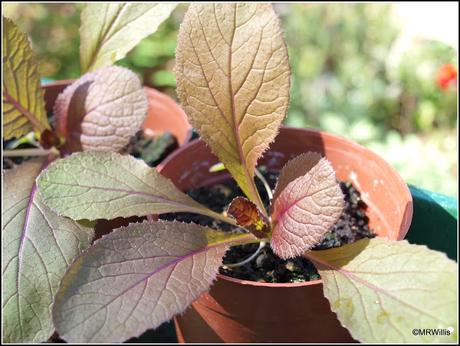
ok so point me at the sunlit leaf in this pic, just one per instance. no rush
(37, 248)
(233, 80)
(383, 289)
(296, 167)
(136, 278)
(306, 210)
(102, 110)
(23, 103)
(110, 30)
(104, 185)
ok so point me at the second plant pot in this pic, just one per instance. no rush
(245, 311)
(164, 114)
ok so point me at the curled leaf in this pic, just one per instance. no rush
(233, 80)
(23, 102)
(305, 210)
(110, 30)
(101, 111)
(249, 216)
(136, 278)
(37, 247)
(386, 291)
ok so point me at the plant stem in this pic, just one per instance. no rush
(27, 152)
(265, 183)
(249, 259)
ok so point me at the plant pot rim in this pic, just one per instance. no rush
(314, 132)
(189, 131)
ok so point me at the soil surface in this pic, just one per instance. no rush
(151, 149)
(268, 267)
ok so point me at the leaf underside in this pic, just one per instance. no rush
(110, 30)
(134, 279)
(233, 80)
(101, 111)
(104, 185)
(23, 102)
(381, 290)
(306, 209)
(37, 247)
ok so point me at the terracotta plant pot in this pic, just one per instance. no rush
(164, 114)
(245, 311)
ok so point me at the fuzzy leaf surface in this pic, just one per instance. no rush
(102, 110)
(110, 30)
(233, 80)
(382, 289)
(37, 248)
(295, 168)
(136, 278)
(23, 102)
(105, 185)
(305, 210)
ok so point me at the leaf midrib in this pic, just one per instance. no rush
(351, 276)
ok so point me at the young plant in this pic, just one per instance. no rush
(233, 81)
(100, 111)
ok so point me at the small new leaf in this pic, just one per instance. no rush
(37, 247)
(136, 278)
(104, 185)
(23, 102)
(382, 290)
(101, 111)
(233, 80)
(305, 210)
(110, 30)
(249, 216)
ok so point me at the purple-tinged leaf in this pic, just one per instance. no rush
(382, 290)
(37, 247)
(233, 78)
(305, 210)
(296, 167)
(101, 111)
(106, 185)
(136, 278)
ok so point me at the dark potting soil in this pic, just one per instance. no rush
(151, 149)
(268, 267)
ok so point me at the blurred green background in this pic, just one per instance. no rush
(358, 70)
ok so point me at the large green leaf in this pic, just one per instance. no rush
(233, 80)
(110, 30)
(37, 248)
(136, 278)
(382, 290)
(23, 102)
(105, 185)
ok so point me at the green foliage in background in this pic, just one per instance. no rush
(348, 77)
